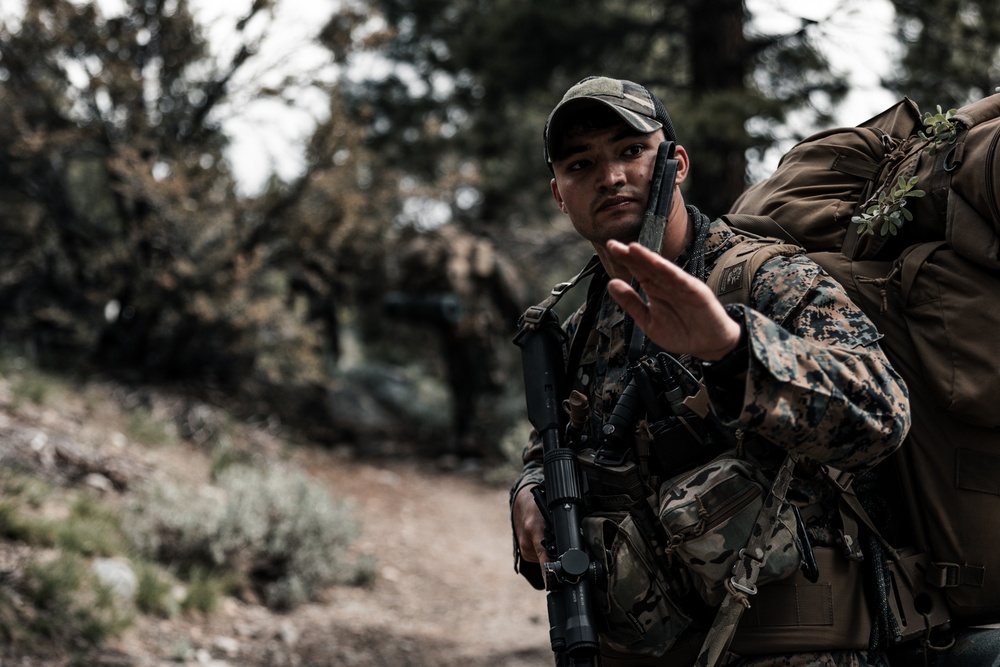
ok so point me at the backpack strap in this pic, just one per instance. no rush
(731, 280)
(759, 225)
(733, 274)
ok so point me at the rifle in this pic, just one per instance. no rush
(443, 309)
(654, 222)
(571, 572)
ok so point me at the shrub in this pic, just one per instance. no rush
(28, 384)
(66, 605)
(295, 533)
(154, 594)
(90, 530)
(15, 526)
(203, 591)
(27, 490)
(143, 427)
(174, 524)
(277, 530)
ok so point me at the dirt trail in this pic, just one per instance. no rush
(446, 590)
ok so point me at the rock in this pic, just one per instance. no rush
(288, 633)
(117, 574)
(98, 481)
(227, 645)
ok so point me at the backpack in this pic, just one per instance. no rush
(928, 275)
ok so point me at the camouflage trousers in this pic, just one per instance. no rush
(687, 648)
(974, 647)
(811, 659)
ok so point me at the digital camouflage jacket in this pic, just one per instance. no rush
(817, 384)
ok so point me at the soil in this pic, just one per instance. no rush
(444, 591)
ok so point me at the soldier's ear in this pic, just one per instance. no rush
(557, 196)
(683, 163)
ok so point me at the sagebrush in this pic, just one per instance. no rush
(281, 533)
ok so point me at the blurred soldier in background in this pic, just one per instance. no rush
(459, 285)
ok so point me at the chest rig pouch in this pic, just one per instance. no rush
(671, 508)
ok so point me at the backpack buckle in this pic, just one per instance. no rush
(748, 588)
(840, 479)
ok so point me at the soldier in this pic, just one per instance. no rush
(463, 288)
(798, 369)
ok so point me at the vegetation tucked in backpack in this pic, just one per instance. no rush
(939, 129)
(889, 210)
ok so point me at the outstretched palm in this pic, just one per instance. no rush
(680, 313)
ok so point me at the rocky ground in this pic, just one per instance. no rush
(444, 591)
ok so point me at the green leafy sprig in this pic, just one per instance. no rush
(889, 212)
(939, 129)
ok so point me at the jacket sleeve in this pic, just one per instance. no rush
(817, 382)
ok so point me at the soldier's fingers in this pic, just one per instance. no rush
(641, 262)
(529, 526)
(541, 554)
(656, 275)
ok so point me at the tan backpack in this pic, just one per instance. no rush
(928, 275)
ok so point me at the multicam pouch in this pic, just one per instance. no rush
(708, 514)
(638, 605)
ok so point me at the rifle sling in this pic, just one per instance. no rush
(535, 314)
(743, 581)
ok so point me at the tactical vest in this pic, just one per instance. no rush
(795, 613)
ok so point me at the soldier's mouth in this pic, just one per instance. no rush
(613, 202)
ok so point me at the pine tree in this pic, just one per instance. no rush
(478, 78)
(951, 51)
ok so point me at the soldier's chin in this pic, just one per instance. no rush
(630, 235)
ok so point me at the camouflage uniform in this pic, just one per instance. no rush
(469, 271)
(818, 384)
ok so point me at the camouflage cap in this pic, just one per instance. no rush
(636, 105)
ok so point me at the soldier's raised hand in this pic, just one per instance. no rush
(680, 313)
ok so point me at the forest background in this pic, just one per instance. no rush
(370, 289)
(362, 290)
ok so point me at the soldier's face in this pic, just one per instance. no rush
(602, 180)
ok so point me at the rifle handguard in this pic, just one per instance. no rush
(570, 575)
